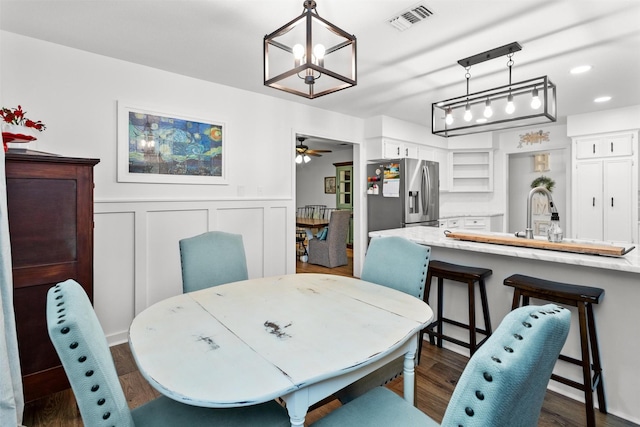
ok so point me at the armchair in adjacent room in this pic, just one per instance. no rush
(503, 384)
(212, 258)
(332, 251)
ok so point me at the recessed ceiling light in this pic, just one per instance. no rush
(580, 69)
(602, 99)
(481, 120)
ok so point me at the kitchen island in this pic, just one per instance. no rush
(617, 316)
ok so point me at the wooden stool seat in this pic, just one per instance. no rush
(582, 297)
(464, 274)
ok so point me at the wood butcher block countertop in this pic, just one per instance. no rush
(580, 248)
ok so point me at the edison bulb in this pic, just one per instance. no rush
(298, 51)
(510, 106)
(448, 118)
(488, 111)
(319, 51)
(467, 113)
(535, 99)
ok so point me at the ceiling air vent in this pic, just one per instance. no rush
(410, 17)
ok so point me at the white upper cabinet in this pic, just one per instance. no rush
(604, 146)
(399, 150)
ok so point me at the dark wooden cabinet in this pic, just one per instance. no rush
(50, 205)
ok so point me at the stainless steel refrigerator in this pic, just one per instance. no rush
(402, 193)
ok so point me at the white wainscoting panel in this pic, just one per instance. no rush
(249, 222)
(114, 272)
(137, 255)
(164, 231)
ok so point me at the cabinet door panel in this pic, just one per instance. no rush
(589, 200)
(617, 201)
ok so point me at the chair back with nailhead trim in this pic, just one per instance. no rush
(83, 350)
(505, 381)
(397, 263)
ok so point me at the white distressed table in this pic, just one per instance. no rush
(300, 337)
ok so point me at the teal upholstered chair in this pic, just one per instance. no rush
(503, 384)
(211, 259)
(82, 347)
(400, 264)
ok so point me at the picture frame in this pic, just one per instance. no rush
(330, 185)
(162, 147)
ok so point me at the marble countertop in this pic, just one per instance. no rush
(434, 236)
(468, 214)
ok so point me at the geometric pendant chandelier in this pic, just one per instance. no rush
(524, 103)
(310, 56)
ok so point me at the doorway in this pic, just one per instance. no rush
(522, 173)
(310, 188)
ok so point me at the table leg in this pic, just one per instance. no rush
(297, 406)
(409, 373)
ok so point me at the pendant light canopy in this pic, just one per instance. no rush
(518, 104)
(310, 56)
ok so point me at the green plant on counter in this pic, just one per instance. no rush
(543, 181)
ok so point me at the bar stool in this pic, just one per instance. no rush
(581, 297)
(464, 274)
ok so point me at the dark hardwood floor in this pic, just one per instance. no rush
(437, 375)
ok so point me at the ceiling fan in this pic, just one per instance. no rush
(303, 151)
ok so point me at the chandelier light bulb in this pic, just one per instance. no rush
(467, 113)
(488, 111)
(298, 52)
(306, 159)
(448, 118)
(535, 99)
(319, 51)
(510, 106)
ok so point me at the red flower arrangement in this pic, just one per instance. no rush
(16, 116)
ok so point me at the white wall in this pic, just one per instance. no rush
(137, 226)
(310, 178)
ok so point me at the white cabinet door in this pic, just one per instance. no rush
(589, 200)
(603, 201)
(604, 146)
(391, 150)
(398, 150)
(617, 200)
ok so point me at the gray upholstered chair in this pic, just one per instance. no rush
(400, 264)
(83, 350)
(503, 384)
(212, 258)
(332, 252)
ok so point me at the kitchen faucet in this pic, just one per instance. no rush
(528, 234)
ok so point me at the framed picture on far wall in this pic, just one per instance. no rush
(161, 147)
(330, 185)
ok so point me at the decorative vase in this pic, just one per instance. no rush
(17, 134)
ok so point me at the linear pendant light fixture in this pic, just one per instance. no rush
(518, 104)
(310, 56)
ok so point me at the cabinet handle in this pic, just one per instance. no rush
(398, 151)
(612, 202)
(594, 148)
(406, 152)
(612, 147)
(594, 202)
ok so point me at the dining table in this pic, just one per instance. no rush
(311, 222)
(298, 338)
